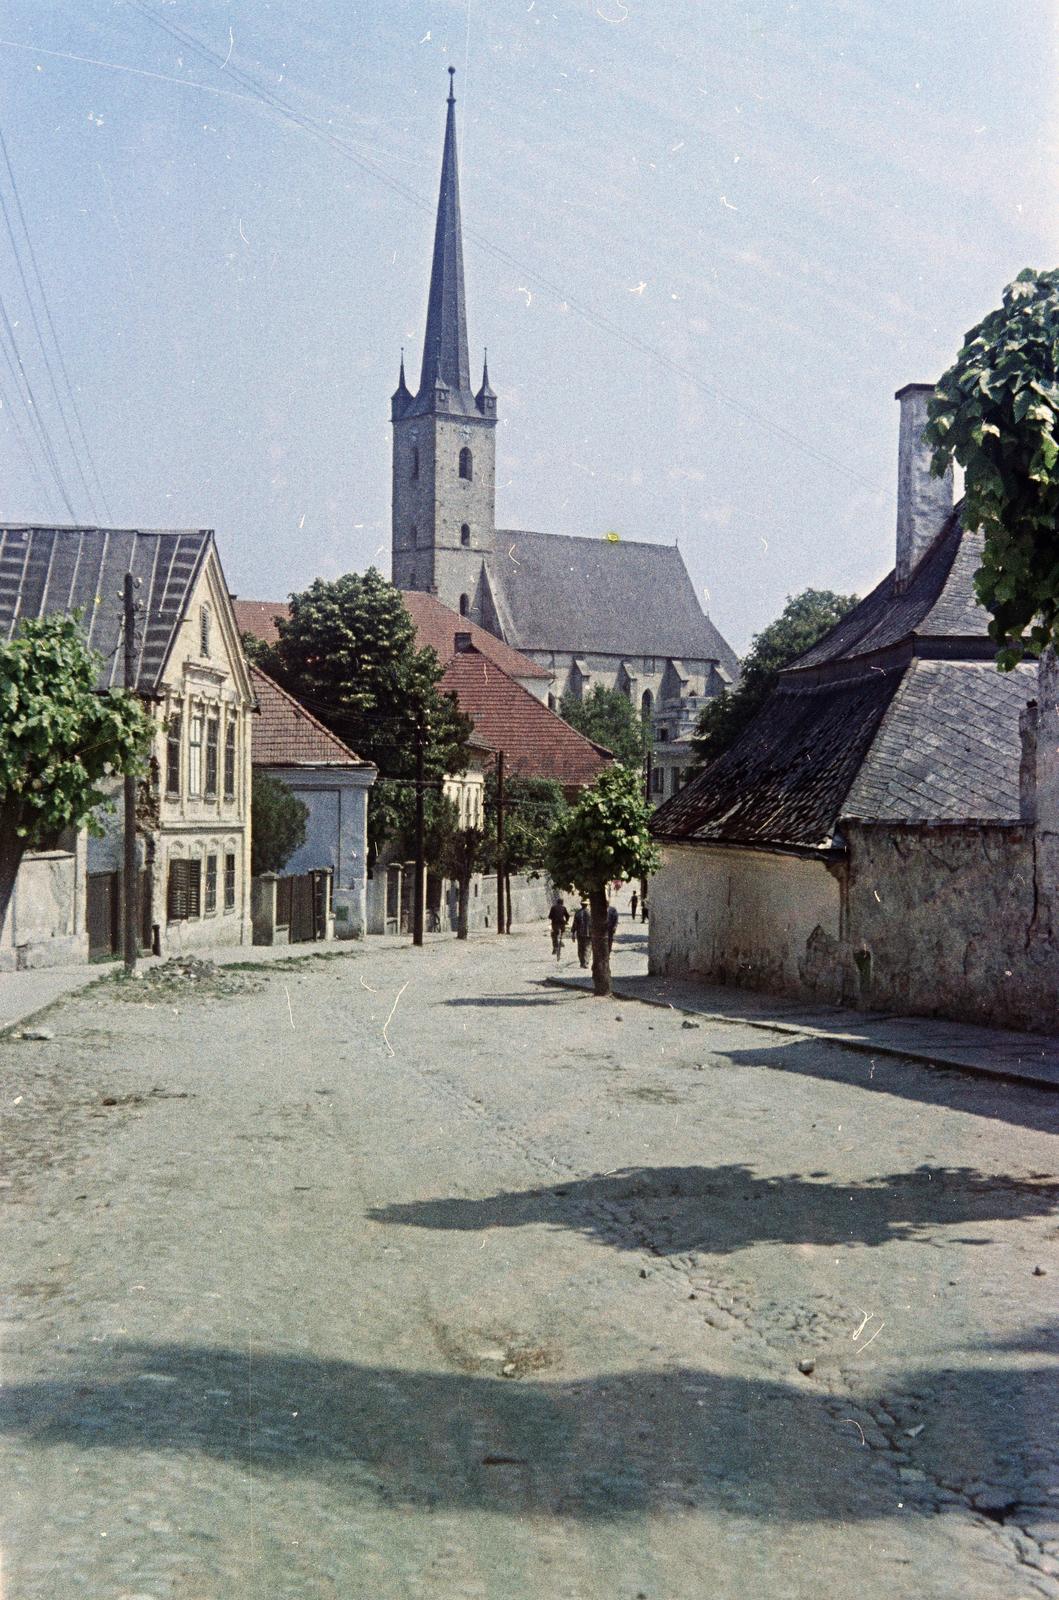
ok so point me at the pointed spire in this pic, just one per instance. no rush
(446, 364)
(485, 399)
(401, 396)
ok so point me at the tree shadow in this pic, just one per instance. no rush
(601, 1449)
(488, 1000)
(717, 1210)
(1023, 1105)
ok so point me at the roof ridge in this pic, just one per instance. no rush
(487, 662)
(593, 538)
(300, 710)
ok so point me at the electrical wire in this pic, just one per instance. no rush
(28, 399)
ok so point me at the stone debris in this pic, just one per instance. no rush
(36, 1033)
(807, 1365)
(186, 976)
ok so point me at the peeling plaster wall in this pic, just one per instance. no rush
(954, 920)
(745, 917)
(45, 922)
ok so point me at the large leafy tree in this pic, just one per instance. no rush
(609, 718)
(348, 652)
(277, 824)
(804, 619)
(996, 411)
(61, 740)
(532, 807)
(602, 838)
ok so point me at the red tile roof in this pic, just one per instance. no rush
(286, 735)
(536, 743)
(258, 617)
(437, 626)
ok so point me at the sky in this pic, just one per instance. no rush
(704, 244)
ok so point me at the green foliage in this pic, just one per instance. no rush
(440, 826)
(804, 619)
(996, 411)
(604, 836)
(277, 824)
(60, 739)
(532, 807)
(348, 652)
(609, 718)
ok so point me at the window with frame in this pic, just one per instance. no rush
(466, 464)
(211, 885)
(465, 533)
(229, 759)
(173, 734)
(204, 630)
(184, 890)
(195, 755)
(658, 780)
(465, 605)
(212, 735)
(229, 880)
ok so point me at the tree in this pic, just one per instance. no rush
(532, 807)
(60, 739)
(804, 619)
(348, 652)
(609, 718)
(996, 411)
(277, 824)
(602, 838)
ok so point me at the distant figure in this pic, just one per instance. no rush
(612, 924)
(643, 910)
(582, 930)
(635, 903)
(558, 916)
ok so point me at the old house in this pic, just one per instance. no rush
(600, 610)
(895, 729)
(290, 744)
(194, 823)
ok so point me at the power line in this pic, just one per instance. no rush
(28, 399)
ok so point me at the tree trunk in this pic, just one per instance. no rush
(597, 900)
(507, 895)
(465, 865)
(12, 849)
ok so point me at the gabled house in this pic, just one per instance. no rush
(190, 671)
(897, 717)
(290, 744)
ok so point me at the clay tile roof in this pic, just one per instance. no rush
(437, 626)
(536, 743)
(286, 735)
(258, 618)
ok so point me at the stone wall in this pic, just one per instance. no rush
(45, 922)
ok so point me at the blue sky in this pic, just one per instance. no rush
(705, 243)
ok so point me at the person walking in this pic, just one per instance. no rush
(582, 931)
(643, 910)
(558, 917)
(612, 925)
(635, 903)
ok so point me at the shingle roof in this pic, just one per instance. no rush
(536, 743)
(626, 598)
(784, 780)
(48, 570)
(286, 735)
(437, 626)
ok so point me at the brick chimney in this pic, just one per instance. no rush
(924, 503)
(464, 644)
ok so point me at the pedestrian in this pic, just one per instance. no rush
(558, 917)
(612, 924)
(582, 931)
(635, 903)
(643, 910)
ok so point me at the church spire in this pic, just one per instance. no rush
(446, 364)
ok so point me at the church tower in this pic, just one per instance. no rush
(444, 436)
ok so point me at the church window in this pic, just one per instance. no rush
(415, 461)
(466, 464)
(465, 534)
(465, 605)
(646, 704)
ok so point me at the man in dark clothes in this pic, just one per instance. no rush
(582, 930)
(635, 903)
(612, 925)
(558, 916)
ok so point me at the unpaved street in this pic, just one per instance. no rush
(403, 1274)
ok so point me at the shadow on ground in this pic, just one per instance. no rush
(604, 1448)
(720, 1209)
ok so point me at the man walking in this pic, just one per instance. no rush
(582, 930)
(635, 903)
(558, 916)
(612, 925)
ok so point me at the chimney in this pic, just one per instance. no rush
(464, 644)
(924, 503)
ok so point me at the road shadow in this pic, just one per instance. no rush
(490, 1000)
(717, 1210)
(1022, 1104)
(605, 1448)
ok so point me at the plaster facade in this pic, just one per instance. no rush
(336, 834)
(45, 924)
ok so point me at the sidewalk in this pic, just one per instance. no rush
(991, 1052)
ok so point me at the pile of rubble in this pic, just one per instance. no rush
(185, 977)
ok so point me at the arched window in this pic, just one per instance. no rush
(465, 534)
(415, 461)
(465, 605)
(466, 464)
(646, 704)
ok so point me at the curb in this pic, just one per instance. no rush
(846, 1041)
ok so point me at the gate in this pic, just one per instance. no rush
(103, 915)
(302, 903)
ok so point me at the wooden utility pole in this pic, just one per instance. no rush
(417, 909)
(130, 874)
(501, 925)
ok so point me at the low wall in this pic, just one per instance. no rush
(747, 917)
(45, 922)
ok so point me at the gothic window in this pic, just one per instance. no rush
(466, 464)
(465, 534)
(465, 605)
(415, 461)
(646, 704)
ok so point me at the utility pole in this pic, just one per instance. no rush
(417, 910)
(501, 926)
(131, 883)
